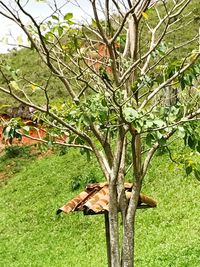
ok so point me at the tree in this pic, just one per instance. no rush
(115, 71)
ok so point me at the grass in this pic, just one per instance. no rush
(32, 235)
(168, 235)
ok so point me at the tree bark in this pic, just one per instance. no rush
(129, 228)
(113, 198)
(113, 223)
(170, 96)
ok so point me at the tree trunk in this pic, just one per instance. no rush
(117, 198)
(113, 224)
(170, 96)
(128, 235)
(127, 257)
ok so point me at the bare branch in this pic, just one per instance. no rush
(162, 85)
(56, 142)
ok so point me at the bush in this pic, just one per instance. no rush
(17, 151)
(84, 179)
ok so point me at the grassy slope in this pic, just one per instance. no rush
(34, 70)
(31, 234)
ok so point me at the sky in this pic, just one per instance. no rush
(40, 10)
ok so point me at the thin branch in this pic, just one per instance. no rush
(162, 85)
(48, 62)
(56, 142)
(166, 137)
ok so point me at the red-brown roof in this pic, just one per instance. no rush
(95, 200)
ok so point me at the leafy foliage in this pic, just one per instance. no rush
(11, 130)
(82, 180)
(15, 151)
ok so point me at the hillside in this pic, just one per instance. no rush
(26, 63)
(32, 235)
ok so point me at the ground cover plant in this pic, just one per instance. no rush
(32, 235)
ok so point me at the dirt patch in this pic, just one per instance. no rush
(3, 177)
(2, 146)
(34, 137)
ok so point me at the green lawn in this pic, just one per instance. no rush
(32, 235)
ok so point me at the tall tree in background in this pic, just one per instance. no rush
(115, 71)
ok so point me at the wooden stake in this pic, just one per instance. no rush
(106, 216)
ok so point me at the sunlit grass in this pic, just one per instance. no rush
(32, 235)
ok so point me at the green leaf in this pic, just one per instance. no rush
(60, 31)
(130, 114)
(182, 83)
(79, 141)
(149, 139)
(144, 14)
(94, 24)
(149, 124)
(26, 129)
(159, 135)
(191, 142)
(198, 147)
(188, 169)
(84, 119)
(55, 17)
(12, 133)
(18, 136)
(68, 16)
(6, 131)
(49, 35)
(159, 123)
(181, 132)
(88, 155)
(103, 102)
(197, 174)
(162, 141)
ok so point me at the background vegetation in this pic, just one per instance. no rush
(30, 66)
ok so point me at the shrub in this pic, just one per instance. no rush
(84, 179)
(17, 151)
